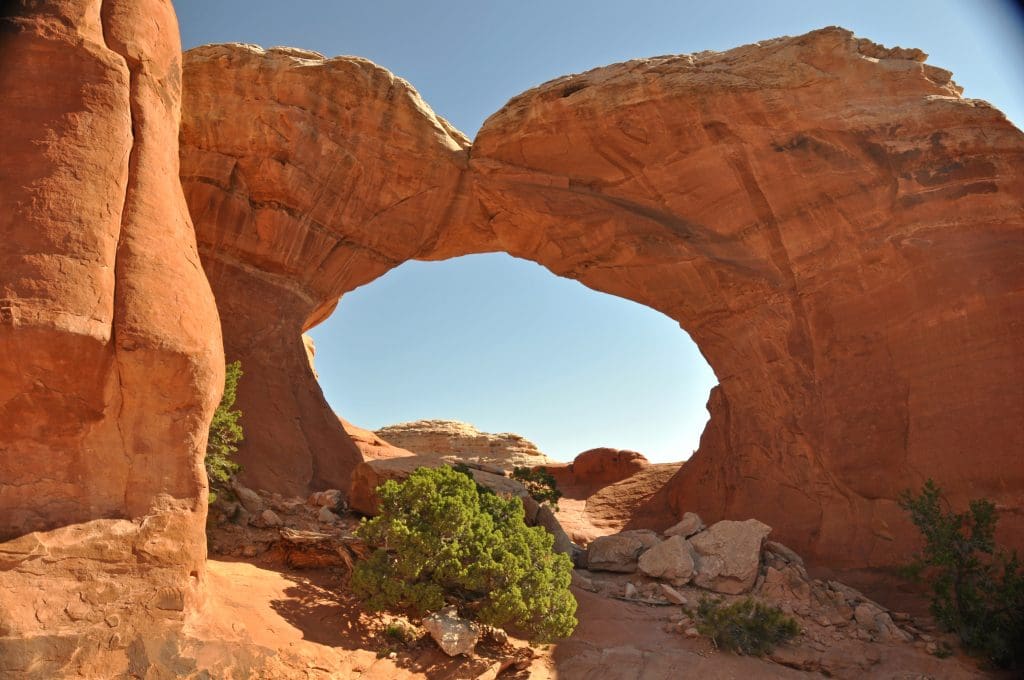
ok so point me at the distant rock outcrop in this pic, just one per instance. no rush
(463, 441)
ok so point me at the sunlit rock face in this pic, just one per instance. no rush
(838, 230)
(463, 441)
(109, 338)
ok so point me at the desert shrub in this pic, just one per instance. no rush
(464, 469)
(746, 626)
(977, 588)
(439, 540)
(540, 484)
(225, 433)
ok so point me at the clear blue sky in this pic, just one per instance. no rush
(502, 343)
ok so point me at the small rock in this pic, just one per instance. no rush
(393, 655)
(900, 616)
(931, 648)
(269, 518)
(630, 591)
(691, 632)
(453, 634)
(672, 595)
(326, 516)
(113, 620)
(249, 550)
(332, 499)
(496, 635)
(688, 526)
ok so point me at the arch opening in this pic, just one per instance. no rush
(504, 345)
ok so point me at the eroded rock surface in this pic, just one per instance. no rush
(453, 438)
(835, 226)
(333, 175)
(111, 348)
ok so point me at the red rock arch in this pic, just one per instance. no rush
(838, 230)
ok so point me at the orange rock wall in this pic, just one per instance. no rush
(111, 347)
(835, 226)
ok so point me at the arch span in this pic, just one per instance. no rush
(837, 229)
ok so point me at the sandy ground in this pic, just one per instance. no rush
(284, 624)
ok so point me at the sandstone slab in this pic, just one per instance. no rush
(619, 552)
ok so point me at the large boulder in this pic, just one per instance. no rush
(619, 552)
(729, 555)
(671, 560)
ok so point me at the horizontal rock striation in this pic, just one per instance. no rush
(463, 441)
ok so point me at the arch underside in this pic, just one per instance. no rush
(837, 229)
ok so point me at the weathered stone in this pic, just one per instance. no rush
(453, 634)
(563, 544)
(332, 499)
(269, 518)
(619, 552)
(686, 527)
(672, 595)
(671, 560)
(109, 337)
(729, 555)
(326, 516)
(785, 553)
(463, 441)
(249, 499)
(629, 591)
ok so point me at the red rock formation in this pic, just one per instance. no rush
(336, 173)
(838, 230)
(111, 347)
(598, 467)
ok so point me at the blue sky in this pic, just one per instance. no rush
(503, 343)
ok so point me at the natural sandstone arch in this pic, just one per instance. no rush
(110, 344)
(838, 230)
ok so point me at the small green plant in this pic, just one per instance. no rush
(977, 589)
(540, 484)
(439, 540)
(225, 433)
(399, 632)
(746, 626)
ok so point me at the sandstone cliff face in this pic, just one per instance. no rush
(333, 175)
(838, 230)
(112, 352)
(462, 440)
